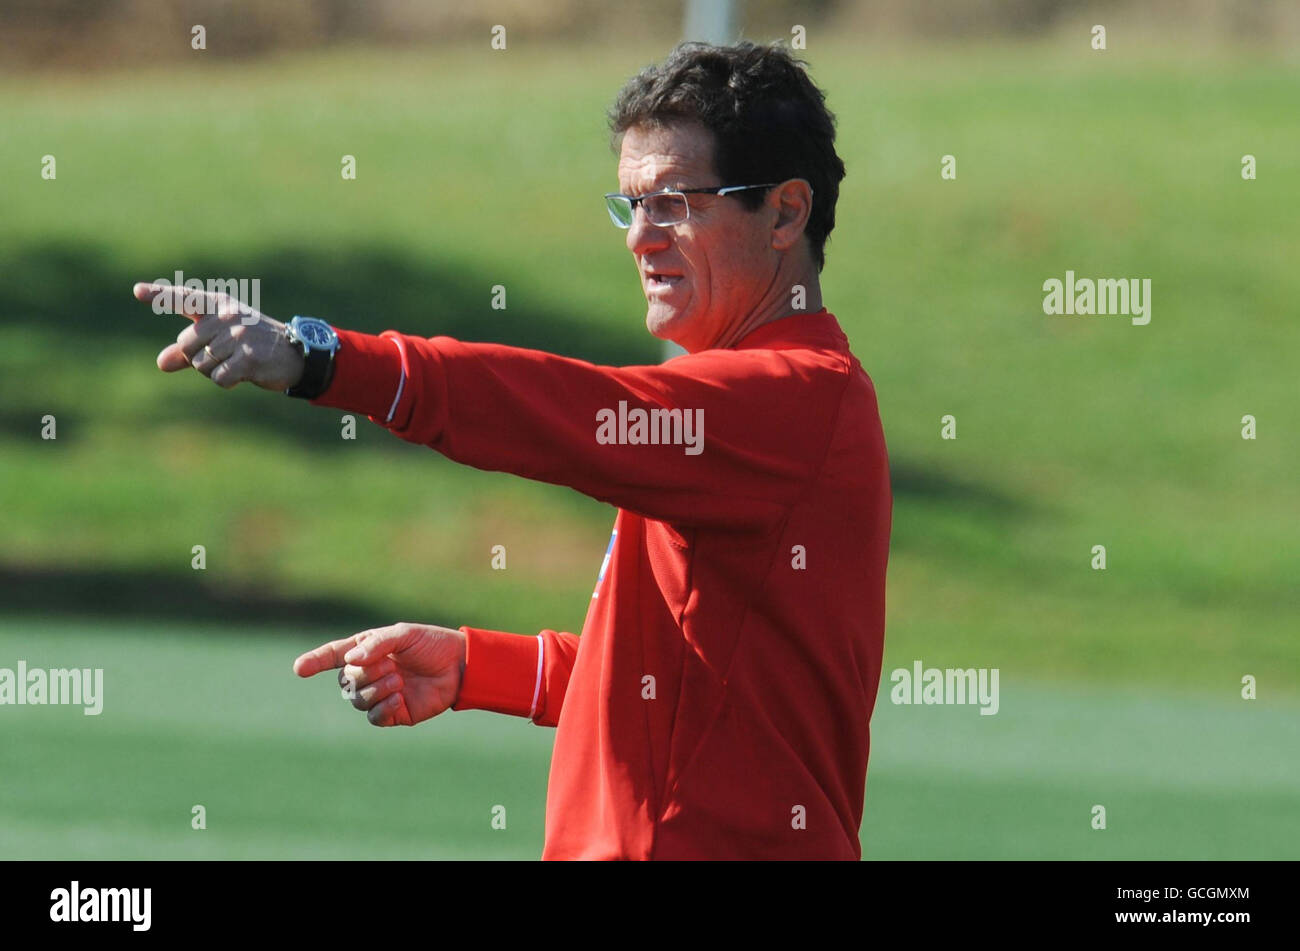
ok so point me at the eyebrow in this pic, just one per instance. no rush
(676, 184)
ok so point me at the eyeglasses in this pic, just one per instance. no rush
(665, 208)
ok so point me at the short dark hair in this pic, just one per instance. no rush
(769, 121)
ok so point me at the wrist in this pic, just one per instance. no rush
(297, 366)
(460, 681)
(317, 344)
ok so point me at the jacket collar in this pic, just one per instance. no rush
(798, 330)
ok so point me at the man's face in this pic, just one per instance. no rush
(707, 274)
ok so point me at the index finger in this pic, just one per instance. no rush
(176, 300)
(326, 657)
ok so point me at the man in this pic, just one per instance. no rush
(717, 703)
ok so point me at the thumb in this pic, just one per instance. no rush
(172, 358)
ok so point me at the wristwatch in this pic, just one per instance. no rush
(318, 343)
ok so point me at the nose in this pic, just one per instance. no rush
(644, 236)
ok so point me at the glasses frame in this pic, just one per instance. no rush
(716, 190)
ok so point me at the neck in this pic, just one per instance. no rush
(780, 300)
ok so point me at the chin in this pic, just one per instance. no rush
(666, 323)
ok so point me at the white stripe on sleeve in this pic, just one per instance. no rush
(401, 381)
(537, 689)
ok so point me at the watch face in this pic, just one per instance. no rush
(316, 334)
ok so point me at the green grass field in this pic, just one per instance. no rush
(286, 769)
(1119, 687)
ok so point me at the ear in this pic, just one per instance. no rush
(792, 200)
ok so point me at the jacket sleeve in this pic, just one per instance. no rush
(517, 675)
(760, 419)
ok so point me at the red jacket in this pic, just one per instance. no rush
(717, 703)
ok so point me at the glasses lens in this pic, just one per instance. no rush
(620, 210)
(667, 209)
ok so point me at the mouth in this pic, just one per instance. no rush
(658, 279)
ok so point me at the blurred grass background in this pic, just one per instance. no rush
(477, 168)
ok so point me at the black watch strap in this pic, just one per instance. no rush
(317, 373)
